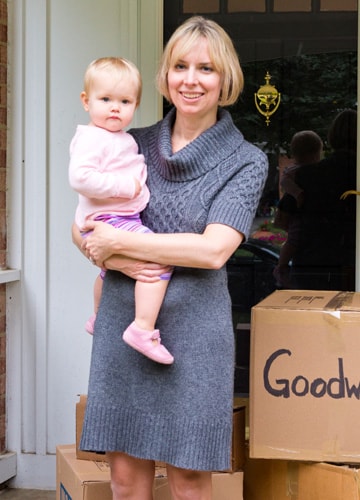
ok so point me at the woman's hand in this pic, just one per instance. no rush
(148, 272)
(98, 246)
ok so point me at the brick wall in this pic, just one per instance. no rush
(3, 142)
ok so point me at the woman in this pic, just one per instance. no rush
(205, 182)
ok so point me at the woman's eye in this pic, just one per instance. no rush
(207, 69)
(179, 66)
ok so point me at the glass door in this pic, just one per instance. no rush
(306, 52)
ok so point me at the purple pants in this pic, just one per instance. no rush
(127, 223)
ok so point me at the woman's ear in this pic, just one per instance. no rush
(85, 100)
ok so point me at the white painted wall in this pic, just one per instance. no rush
(51, 43)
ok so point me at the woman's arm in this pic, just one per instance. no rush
(209, 250)
(148, 272)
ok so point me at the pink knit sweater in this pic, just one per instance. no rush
(103, 166)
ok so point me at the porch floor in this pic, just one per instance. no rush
(15, 494)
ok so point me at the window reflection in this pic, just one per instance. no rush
(201, 6)
(293, 6)
(246, 6)
(310, 50)
(336, 5)
(234, 6)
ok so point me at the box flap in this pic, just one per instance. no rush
(311, 300)
(85, 470)
(82, 399)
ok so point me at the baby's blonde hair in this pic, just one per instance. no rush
(119, 67)
(221, 50)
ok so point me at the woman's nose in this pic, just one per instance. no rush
(191, 76)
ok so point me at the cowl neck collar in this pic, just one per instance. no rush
(199, 156)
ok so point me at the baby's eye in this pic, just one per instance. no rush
(105, 99)
(125, 101)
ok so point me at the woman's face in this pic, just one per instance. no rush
(194, 85)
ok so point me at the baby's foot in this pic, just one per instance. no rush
(148, 342)
(89, 325)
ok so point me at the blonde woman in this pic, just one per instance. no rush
(205, 182)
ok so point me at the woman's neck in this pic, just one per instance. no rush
(187, 129)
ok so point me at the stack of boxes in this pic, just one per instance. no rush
(304, 439)
(86, 475)
(304, 432)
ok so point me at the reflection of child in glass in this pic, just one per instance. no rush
(306, 149)
(109, 174)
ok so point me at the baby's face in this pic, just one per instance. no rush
(111, 104)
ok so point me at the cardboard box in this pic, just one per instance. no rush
(80, 479)
(238, 440)
(290, 480)
(226, 486)
(242, 359)
(305, 376)
(90, 480)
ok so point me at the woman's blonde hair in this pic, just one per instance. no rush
(119, 67)
(221, 50)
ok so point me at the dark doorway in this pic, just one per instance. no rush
(270, 29)
(309, 47)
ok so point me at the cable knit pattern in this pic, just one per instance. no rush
(180, 414)
(220, 159)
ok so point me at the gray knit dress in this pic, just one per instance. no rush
(180, 414)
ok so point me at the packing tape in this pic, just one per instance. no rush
(357, 479)
(339, 301)
(292, 480)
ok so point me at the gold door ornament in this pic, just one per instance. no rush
(267, 99)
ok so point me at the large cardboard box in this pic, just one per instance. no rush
(242, 359)
(267, 479)
(238, 437)
(226, 486)
(90, 480)
(305, 376)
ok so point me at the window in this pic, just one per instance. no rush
(201, 6)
